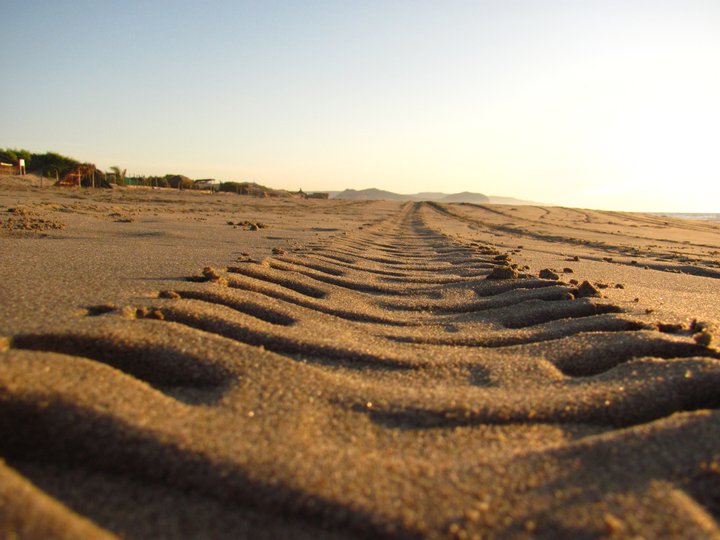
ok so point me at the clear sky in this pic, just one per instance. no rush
(602, 104)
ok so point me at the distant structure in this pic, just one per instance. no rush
(316, 195)
(180, 181)
(85, 174)
(208, 183)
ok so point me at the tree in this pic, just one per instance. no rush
(119, 175)
(51, 162)
(11, 156)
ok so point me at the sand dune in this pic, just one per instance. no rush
(365, 380)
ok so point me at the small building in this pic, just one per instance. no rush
(208, 183)
(80, 174)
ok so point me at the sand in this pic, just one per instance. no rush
(348, 370)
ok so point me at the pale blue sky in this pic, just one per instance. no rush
(611, 104)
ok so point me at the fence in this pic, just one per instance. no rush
(6, 169)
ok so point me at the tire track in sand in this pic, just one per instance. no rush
(377, 385)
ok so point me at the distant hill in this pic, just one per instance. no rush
(379, 194)
(513, 200)
(430, 195)
(466, 197)
(372, 194)
(254, 190)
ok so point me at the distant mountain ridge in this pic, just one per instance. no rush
(371, 194)
(379, 194)
(464, 197)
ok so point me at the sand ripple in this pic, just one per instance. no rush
(374, 386)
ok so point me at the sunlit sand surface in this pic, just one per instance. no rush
(347, 370)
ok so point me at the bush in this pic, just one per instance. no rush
(180, 181)
(229, 187)
(244, 188)
(11, 156)
(49, 162)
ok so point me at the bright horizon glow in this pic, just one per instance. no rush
(612, 105)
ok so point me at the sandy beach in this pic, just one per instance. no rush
(179, 364)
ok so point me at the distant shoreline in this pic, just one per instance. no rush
(708, 216)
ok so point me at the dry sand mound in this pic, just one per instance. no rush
(374, 385)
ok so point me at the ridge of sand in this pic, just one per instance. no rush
(370, 382)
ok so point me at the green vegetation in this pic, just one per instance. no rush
(48, 162)
(247, 188)
(53, 165)
(119, 175)
(177, 181)
(11, 156)
(51, 162)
